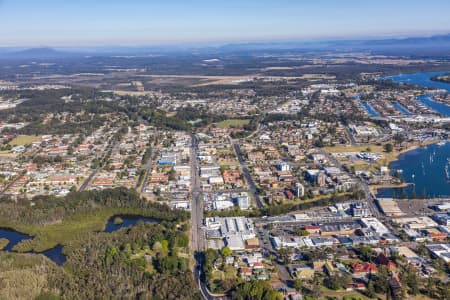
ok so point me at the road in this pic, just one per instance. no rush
(88, 180)
(148, 168)
(369, 196)
(197, 239)
(247, 175)
(198, 243)
(350, 135)
(92, 175)
(197, 200)
(267, 248)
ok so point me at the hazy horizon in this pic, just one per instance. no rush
(51, 23)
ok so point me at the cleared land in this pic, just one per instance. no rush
(7, 154)
(22, 140)
(387, 157)
(237, 123)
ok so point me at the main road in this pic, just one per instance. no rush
(196, 203)
(148, 168)
(197, 236)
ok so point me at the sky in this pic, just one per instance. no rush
(150, 22)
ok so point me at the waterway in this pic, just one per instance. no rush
(370, 110)
(401, 108)
(424, 80)
(427, 168)
(56, 254)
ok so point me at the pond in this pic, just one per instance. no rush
(13, 237)
(127, 221)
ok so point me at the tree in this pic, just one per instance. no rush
(285, 255)
(255, 290)
(430, 287)
(410, 277)
(366, 253)
(335, 282)
(316, 289)
(332, 282)
(399, 138)
(388, 147)
(300, 231)
(298, 285)
(304, 232)
(381, 283)
(371, 289)
(226, 252)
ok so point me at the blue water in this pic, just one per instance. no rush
(370, 110)
(425, 169)
(401, 108)
(56, 255)
(424, 80)
(127, 222)
(14, 238)
(441, 108)
(421, 79)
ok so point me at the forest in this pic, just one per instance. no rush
(145, 261)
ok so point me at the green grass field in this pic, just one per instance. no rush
(22, 140)
(233, 123)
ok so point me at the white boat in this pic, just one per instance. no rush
(447, 173)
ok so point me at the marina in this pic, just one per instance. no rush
(426, 168)
(427, 171)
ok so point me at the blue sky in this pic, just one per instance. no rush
(149, 22)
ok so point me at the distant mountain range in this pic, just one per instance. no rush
(412, 44)
(433, 45)
(38, 53)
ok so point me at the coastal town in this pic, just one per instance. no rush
(313, 192)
